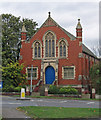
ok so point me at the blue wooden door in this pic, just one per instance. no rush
(49, 75)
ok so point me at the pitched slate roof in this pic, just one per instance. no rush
(87, 51)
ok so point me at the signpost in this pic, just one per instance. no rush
(31, 77)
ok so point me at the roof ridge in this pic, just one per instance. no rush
(49, 18)
(87, 50)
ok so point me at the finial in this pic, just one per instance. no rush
(78, 25)
(49, 14)
(23, 28)
(78, 20)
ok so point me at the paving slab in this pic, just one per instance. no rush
(13, 113)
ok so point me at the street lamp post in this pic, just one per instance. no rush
(31, 78)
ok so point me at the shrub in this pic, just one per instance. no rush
(11, 88)
(62, 90)
(8, 88)
(53, 89)
(68, 90)
(17, 89)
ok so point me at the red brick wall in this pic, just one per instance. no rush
(73, 59)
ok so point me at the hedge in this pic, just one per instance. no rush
(62, 90)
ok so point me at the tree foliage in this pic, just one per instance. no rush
(95, 76)
(11, 35)
(12, 76)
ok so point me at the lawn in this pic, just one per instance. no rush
(60, 112)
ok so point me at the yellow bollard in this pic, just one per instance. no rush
(22, 93)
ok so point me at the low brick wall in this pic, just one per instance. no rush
(98, 96)
(35, 94)
(86, 96)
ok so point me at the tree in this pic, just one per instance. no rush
(11, 36)
(30, 27)
(12, 76)
(95, 75)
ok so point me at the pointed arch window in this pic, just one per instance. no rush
(53, 48)
(64, 50)
(62, 47)
(37, 51)
(49, 45)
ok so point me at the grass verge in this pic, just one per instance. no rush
(60, 112)
(50, 97)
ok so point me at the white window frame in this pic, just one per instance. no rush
(66, 43)
(33, 51)
(34, 78)
(63, 72)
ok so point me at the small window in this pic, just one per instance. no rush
(53, 48)
(46, 48)
(34, 73)
(68, 72)
(37, 51)
(62, 49)
(49, 48)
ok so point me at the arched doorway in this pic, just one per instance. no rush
(49, 75)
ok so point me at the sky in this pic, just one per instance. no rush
(65, 13)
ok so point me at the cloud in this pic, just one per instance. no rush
(64, 13)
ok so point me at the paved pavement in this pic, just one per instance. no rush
(9, 105)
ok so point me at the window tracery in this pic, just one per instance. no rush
(49, 45)
(37, 50)
(62, 47)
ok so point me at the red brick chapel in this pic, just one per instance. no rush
(57, 56)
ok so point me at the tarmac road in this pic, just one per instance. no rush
(9, 105)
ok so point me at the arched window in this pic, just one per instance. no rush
(64, 50)
(49, 45)
(53, 48)
(62, 46)
(37, 50)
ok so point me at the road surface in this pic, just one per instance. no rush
(9, 105)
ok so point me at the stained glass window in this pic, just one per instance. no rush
(46, 48)
(62, 49)
(37, 50)
(53, 49)
(49, 45)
